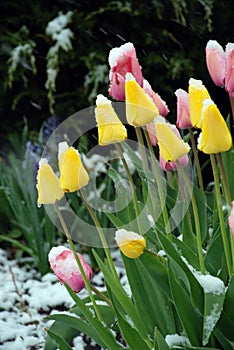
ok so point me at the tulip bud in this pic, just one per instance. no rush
(215, 136)
(130, 243)
(159, 103)
(48, 186)
(110, 128)
(231, 219)
(229, 77)
(183, 114)
(140, 108)
(197, 94)
(123, 60)
(171, 145)
(73, 175)
(215, 60)
(64, 265)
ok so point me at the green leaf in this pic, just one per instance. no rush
(123, 300)
(212, 310)
(202, 211)
(63, 330)
(148, 280)
(187, 252)
(59, 340)
(159, 341)
(180, 288)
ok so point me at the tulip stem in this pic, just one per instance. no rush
(142, 149)
(196, 219)
(100, 232)
(197, 163)
(130, 179)
(224, 180)
(101, 295)
(221, 217)
(232, 105)
(158, 180)
(86, 282)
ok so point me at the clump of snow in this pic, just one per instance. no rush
(129, 77)
(196, 83)
(210, 284)
(210, 322)
(176, 340)
(214, 45)
(117, 52)
(102, 100)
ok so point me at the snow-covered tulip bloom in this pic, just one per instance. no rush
(110, 128)
(48, 186)
(123, 60)
(215, 136)
(140, 108)
(229, 77)
(197, 94)
(64, 265)
(215, 61)
(231, 219)
(183, 114)
(171, 145)
(130, 243)
(160, 104)
(73, 175)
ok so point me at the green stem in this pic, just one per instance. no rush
(101, 295)
(196, 219)
(197, 163)
(86, 282)
(158, 180)
(130, 179)
(224, 181)
(221, 217)
(101, 234)
(142, 149)
(232, 105)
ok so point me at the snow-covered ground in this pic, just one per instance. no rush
(26, 299)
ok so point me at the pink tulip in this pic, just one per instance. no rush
(160, 104)
(64, 265)
(167, 166)
(231, 219)
(183, 113)
(215, 60)
(151, 133)
(229, 77)
(123, 60)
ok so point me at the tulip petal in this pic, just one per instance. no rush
(48, 186)
(140, 108)
(110, 128)
(215, 60)
(215, 136)
(197, 94)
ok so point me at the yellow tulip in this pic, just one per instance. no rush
(130, 243)
(140, 108)
(215, 136)
(197, 94)
(73, 175)
(48, 186)
(171, 146)
(110, 128)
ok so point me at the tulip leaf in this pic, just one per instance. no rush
(117, 293)
(63, 330)
(104, 333)
(212, 310)
(159, 341)
(201, 202)
(180, 288)
(147, 277)
(59, 340)
(187, 252)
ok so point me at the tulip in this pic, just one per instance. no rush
(73, 175)
(160, 104)
(140, 108)
(123, 60)
(183, 114)
(167, 166)
(215, 60)
(130, 243)
(215, 136)
(64, 265)
(197, 94)
(171, 146)
(229, 77)
(231, 219)
(48, 186)
(110, 128)
(151, 133)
